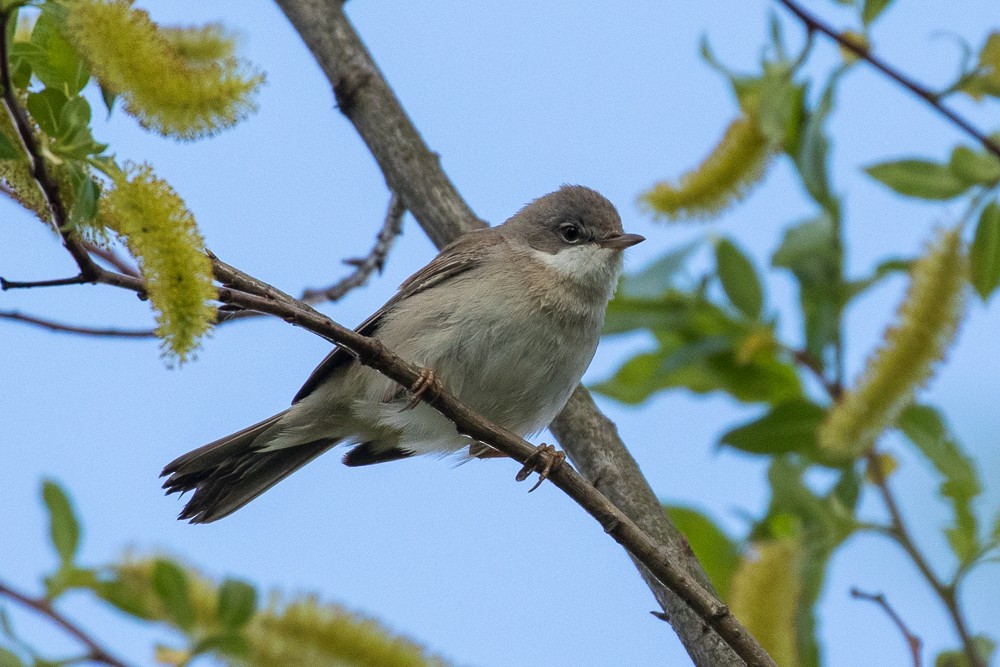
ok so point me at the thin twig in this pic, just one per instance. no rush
(63, 327)
(112, 258)
(911, 639)
(901, 534)
(364, 267)
(802, 357)
(813, 23)
(373, 262)
(95, 652)
(56, 282)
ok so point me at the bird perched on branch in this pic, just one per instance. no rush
(506, 319)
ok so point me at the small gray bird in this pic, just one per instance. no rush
(508, 319)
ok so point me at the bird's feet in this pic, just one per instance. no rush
(545, 460)
(427, 384)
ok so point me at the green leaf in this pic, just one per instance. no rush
(8, 150)
(984, 257)
(974, 167)
(9, 658)
(810, 250)
(779, 111)
(108, 97)
(63, 525)
(919, 178)
(811, 156)
(739, 279)
(983, 645)
(788, 427)
(718, 554)
(883, 270)
(702, 368)
(699, 349)
(58, 65)
(654, 280)
(237, 603)
(45, 107)
(86, 192)
(926, 429)
(231, 645)
(873, 9)
(172, 587)
(985, 80)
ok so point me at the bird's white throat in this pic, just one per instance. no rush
(588, 265)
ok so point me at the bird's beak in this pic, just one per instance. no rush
(621, 241)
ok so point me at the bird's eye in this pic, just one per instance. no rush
(570, 232)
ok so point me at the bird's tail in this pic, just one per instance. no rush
(227, 474)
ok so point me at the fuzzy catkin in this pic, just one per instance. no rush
(733, 166)
(926, 325)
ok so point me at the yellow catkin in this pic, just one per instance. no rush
(306, 632)
(926, 324)
(302, 631)
(736, 163)
(161, 234)
(164, 79)
(200, 45)
(766, 593)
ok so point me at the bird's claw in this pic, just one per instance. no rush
(427, 382)
(545, 460)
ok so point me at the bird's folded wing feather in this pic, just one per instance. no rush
(461, 255)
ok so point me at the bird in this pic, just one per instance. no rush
(505, 318)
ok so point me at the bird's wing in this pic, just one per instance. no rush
(457, 257)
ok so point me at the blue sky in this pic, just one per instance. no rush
(518, 97)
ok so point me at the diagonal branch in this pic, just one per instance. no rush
(251, 293)
(95, 652)
(63, 327)
(243, 291)
(898, 531)
(414, 171)
(814, 24)
(364, 267)
(912, 641)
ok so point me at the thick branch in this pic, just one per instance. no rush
(912, 641)
(814, 24)
(412, 170)
(95, 652)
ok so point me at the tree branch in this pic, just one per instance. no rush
(814, 24)
(413, 171)
(112, 258)
(364, 267)
(39, 170)
(246, 292)
(898, 531)
(911, 639)
(95, 652)
(249, 292)
(63, 327)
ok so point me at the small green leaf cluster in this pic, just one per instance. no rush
(223, 620)
(715, 331)
(182, 82)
